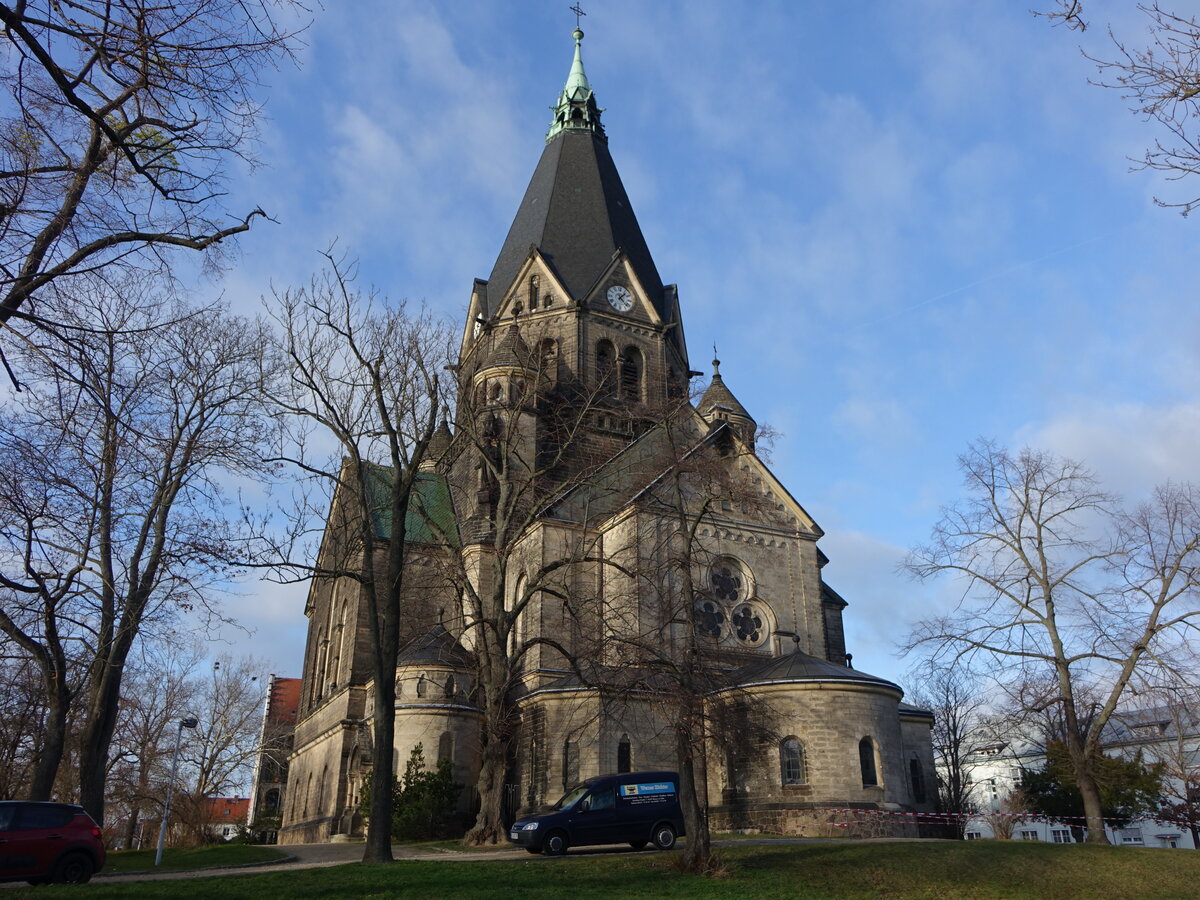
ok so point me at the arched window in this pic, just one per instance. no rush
(631, 374)
(570, 764)
(450, 688)
(271, 800)
(606, 361)
(918, 779)
(446, 747)
(866, 762)
(791, 761)
(624, 755)
(422, 686)
(548, 358)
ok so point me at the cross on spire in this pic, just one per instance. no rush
(578, 12)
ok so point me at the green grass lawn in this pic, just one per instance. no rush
(175, 859)
(978, 869)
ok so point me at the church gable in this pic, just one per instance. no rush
(619, 292)
(536, 289)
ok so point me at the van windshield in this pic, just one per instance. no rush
(571, 797)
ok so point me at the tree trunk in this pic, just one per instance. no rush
(1092, 812)
(379, 829)
(489, 828)
(54, 737)
(489, 825)
(103, 707)
(698, 849)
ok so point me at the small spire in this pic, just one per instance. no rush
(716, 362)
(576, 109)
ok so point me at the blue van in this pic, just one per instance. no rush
(635, 808)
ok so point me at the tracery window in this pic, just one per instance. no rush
(791, 761)
(710, 620)
(728, 611)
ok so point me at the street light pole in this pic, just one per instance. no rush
(162, 830)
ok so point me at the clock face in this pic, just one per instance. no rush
(620, 299)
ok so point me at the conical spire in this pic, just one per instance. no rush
(576, 109)
(718, 403)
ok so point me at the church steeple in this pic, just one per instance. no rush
(576, 109)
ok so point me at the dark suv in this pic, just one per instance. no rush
(42, 842)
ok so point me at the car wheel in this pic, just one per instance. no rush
(664, 836)
(555, 843)
(637, 845)
(74, 868)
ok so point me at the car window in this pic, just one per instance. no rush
(8, 812)
(568, 799)
(602, 799)
(35, 815)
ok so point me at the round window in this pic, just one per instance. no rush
(749, 624)
(727, 582)
(710, 619)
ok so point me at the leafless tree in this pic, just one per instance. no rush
(358, 393)
(956, 697)
(158, 690)
(519, 444)
(22, 710)
(659, 628)
(1160, 80)
(1060, 586)
(218, 756)
(132, 425)
(121, 120)
(1170, 737)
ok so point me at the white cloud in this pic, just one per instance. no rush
(1130, 446)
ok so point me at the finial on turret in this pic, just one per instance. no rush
(716, 362)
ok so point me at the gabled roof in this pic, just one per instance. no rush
(430, 510)
(576, 212)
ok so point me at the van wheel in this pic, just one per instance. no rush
(637, 845)
(555, 843)
(664, 836)
(74, 868)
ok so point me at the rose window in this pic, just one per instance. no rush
(748, 624)
(726, 583)
(710, 620)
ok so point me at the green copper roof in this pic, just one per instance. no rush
(576, 109)
(430, 510)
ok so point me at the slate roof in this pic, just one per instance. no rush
(430, 510)
(799, 666)
(576, 212)
(511, 353)
(437, 646)
(718, 396)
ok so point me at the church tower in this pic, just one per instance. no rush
(576, 280)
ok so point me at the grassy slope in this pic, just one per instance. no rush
(196, 858)
(979, 869)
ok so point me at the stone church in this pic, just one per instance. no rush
(669, 539)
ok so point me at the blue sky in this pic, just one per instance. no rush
(906, 225)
